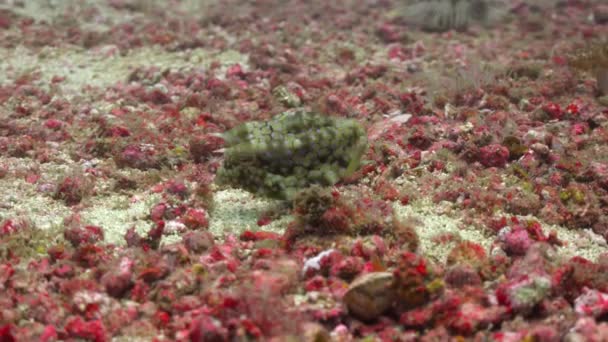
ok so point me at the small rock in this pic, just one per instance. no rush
(315, 332)
(370, 295)
(541, 149)
(198, 241)
(603, 100)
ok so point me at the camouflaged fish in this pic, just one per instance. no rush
(290, 152)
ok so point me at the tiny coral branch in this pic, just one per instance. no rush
(291, 152)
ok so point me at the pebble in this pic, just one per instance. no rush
(370, 295)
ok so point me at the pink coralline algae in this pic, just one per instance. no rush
(493, 155)
(591, 303)
(195, 219)
(141, 157)
(9, 227)
(73, 189)
(84, 235)
(118, 281)
(516, 240)
(521, 295)
(91, 330)
(204, 147)
(413, 278)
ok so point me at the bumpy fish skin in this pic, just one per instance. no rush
(290, 152)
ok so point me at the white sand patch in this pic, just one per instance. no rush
(237, 210)
(22, 200)
(102, 67)
(434, 222)
(117, 213)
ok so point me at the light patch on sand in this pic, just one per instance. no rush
(434, 223)
(22, 200)
(578, 242)
(102, 67)
(117, 213)
(237, 210)
(582, 242)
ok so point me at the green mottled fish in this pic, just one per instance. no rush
(290, 152)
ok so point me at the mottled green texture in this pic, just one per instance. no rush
(286, 97)
(290, 152)
(445, 15)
